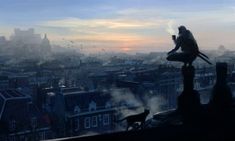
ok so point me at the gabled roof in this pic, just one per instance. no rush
(83, 98)
(9, 95)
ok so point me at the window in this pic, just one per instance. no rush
(22, 138)
(87, 122)
(94, 121)
(76, 109)
(76, 124)
(42, 136)
(12, 125)
(106, 119)
(108, 105)
(12, 138)
(92, 106)
(34, 122)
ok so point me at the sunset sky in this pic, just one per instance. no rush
(122, 25)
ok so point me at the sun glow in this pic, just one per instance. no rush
(126, 49)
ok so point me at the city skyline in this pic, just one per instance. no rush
(125, 25)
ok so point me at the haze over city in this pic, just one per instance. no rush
(124, 25)
(97, 69)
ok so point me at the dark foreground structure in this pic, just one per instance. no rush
(214, 121)
(177, 133)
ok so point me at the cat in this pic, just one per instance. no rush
(132, 120)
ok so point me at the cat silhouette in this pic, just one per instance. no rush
(133, 120)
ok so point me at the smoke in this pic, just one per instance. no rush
(169, 27)
(154, 103)
(123, 97)
(132, 104)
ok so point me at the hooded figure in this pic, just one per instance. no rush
(188, 45)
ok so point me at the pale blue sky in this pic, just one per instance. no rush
(126, 25)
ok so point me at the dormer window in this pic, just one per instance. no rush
(108, 105)
(12, 125)
(106, 119)
(92, 106)
(77, 109)
(33, 122)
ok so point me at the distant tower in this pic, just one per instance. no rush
(45, 46)
(27, 37)
(2, 40)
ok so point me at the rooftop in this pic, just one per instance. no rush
(11, 94)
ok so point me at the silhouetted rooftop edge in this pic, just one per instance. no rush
(159, 133)
(190, 121)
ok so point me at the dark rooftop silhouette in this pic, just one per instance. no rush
(191, 120)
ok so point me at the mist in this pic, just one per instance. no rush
(133, 104)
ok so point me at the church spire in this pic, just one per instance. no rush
(45, 36)
(45, 44)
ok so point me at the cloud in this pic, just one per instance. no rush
(116, 23)
(5, 30)
(118, 32)
(137, 28)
